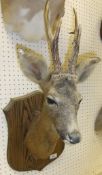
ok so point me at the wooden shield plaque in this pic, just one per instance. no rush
(19, 115)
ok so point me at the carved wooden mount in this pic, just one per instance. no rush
(20, 113)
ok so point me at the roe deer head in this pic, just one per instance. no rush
(62, 99)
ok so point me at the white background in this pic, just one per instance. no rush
(86, 157)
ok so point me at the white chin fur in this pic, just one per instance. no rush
(67, 140)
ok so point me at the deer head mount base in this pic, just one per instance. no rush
(30, 149)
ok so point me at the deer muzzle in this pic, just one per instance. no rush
(74, 137)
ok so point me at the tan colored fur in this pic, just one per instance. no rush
(42, 137)
(22, 24)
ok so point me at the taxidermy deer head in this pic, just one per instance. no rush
(62, 99)
(26, 17)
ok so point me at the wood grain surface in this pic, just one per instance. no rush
(20, 113)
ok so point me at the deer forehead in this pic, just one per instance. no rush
(64, 84)
(63, 89)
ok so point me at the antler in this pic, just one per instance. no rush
(73, 53)
(76, 44)
(52, 35)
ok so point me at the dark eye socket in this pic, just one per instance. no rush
(50, 101)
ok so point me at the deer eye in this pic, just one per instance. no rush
(51, 101)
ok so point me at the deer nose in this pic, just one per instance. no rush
(74, 137)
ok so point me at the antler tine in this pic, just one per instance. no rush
(53, 37)
(76, 44)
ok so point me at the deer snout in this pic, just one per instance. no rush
(74, 137)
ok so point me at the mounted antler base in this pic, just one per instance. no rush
(20, 113)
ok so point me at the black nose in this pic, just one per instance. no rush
(74, 137)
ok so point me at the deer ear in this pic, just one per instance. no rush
(32, 64)
(85, 68)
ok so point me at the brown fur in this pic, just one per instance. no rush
(42, 137)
